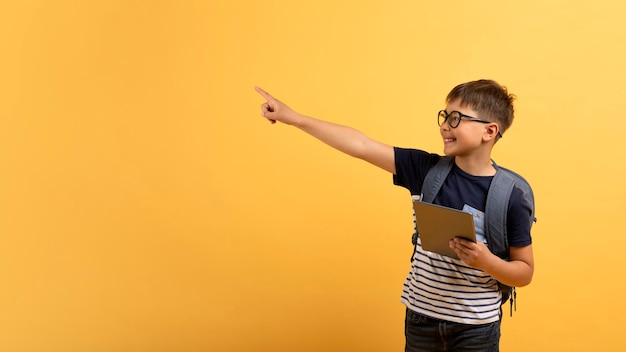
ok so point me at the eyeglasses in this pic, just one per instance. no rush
(454, 119)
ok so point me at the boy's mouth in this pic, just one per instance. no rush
(449, 140)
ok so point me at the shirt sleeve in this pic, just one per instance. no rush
(519, 220)
(412, 165)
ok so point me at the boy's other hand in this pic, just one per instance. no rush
(274, 110)
(474, 254)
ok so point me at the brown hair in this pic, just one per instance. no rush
(491, 100)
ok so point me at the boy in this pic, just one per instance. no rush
(452, 305)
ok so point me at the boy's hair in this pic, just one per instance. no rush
(491, 100)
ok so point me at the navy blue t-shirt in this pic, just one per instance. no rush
(460, 189)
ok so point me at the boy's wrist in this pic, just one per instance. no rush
(491, 264)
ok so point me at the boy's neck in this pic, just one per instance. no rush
(475, 165)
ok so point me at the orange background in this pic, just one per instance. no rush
(146, 206)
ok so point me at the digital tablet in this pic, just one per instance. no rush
(437, 225)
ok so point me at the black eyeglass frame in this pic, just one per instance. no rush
(458, 121)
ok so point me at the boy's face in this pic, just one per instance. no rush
(464, 138)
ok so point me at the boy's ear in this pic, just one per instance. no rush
(491, 132)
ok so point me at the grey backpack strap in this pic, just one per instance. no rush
(435, 177)
(496, 211)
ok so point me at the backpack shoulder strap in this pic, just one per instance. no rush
(496, 211)
(435, 177)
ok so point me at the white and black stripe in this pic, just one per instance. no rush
(445, 288)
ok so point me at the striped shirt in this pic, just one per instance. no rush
(442, 287)
(445, 288)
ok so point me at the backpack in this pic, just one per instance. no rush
(496, 208)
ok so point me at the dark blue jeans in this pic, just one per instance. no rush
(426, 334)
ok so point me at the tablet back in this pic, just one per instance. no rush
(437, 225)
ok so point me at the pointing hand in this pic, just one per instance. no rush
(274, 110)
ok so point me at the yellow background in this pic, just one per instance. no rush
(146, 206)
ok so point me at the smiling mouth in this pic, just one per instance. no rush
(449, 140)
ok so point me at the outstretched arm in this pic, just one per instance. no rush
(343, 138)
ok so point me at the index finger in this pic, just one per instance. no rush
(265, 94)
